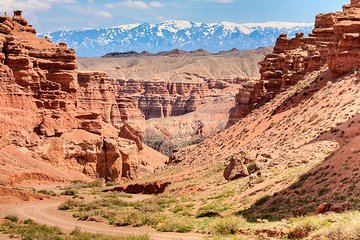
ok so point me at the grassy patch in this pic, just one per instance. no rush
(226, 226)
(175, 225)
(32, 231)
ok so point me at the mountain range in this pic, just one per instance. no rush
(168, 35)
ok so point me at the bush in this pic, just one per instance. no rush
(226, 226)
(135, 219)
(69, 192)
(70, 204)
(46, 192)
(12, 218)
(207, 214)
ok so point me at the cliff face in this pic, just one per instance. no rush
(161, 99)
(344, 52)
(51, 111)
(334, 42)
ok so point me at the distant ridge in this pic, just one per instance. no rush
(174, 52)
(174, 34)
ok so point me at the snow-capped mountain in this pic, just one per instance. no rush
(169, 35)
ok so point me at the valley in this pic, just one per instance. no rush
(240, 144)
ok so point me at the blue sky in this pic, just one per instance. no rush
(51, 15)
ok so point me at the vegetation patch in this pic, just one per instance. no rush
(28, 230)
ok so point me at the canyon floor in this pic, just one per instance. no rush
(269, 156)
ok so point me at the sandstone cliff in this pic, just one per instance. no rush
(51, 111)
(334, 42)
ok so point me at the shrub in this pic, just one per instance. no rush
(12, 218)
(69, 192)
(207, 214)
(46, 192)
(135, 219)
(226, 226)
(70, 204)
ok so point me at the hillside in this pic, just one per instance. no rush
(169, 35)
(300, 128)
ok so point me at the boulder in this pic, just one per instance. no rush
(323, 208)
(240, 166)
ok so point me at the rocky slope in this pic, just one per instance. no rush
(300, 129)
(52, 112)
(168, 35)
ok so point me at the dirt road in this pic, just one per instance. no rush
(47, 213)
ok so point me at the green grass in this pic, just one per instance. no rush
(32, 231)
(71, 204)
(175, 225)
(226, 226)
(135, 219)
(12, 218)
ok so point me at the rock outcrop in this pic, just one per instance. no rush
(335, 42)
(51, 111)
(240, 165)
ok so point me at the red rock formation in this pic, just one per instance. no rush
(335, 42)
(344, 54)
(65, 117)
(163, 99)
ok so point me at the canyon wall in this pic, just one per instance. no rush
(334, 42)
(161, 99)
(50, 110)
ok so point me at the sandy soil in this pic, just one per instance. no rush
(46, 213)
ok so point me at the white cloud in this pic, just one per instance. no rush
(136, 4)
(31, 5)
(156, 4)
(104, 14)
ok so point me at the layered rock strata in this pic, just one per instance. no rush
(51, 111)
(161, 99)
(335, 42)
